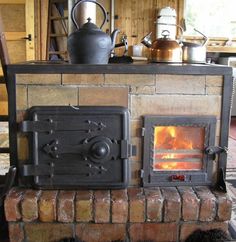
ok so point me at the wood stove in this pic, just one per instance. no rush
(179, 150)
(86, 147)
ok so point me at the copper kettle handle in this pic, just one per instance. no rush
(91, 1)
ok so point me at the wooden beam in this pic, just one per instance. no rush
(29, 23)
(44, 28)
(12, 1)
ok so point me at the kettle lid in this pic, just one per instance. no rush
(89, 25)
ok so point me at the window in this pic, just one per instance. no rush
(214, 18)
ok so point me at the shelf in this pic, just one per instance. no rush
(224, 49)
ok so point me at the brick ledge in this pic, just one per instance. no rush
(134, 205)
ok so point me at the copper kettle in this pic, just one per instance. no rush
(163, 49)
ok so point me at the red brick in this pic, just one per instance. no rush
(190, 204)
(12, 204)
(102, 206)
(224, 206)
(84, 206)
(47, 232)
(172, 204)
(154, 202)
(155, 232)
(29, 205)
(187, 228)
(101, 232)
(136, 205)
(65, 206)
(119, 206)
(47, 206)
(207, 204)
(16, 233)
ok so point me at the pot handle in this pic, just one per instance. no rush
(91, 1)
(204, 37)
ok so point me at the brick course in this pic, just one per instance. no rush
(65, 206)
(29, 205)
(84, 206)
(159, 232)
(207, 204)
(16, 232)
(190, 204)
(136, 205)
(12, 205)
(38, 79)
(103, 96)
(119, 206)
(47, 232)
(101, 232)
(102, 205)
(224, 206)
(188, 84)
(172, 204)
(137, 213)
(85, 79)
(47, 206)
(154, 204)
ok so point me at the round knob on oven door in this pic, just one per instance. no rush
(100, 150)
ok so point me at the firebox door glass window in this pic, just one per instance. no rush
(178, 148)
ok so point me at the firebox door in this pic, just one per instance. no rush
(77, 147)
(175, 150)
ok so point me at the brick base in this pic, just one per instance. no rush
(158, 214)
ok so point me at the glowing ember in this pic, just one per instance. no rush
(178, 148)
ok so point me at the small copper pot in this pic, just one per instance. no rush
(163, 49)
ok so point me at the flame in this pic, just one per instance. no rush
(178, 165)
(177, 138)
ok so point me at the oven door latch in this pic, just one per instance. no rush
(213, 151)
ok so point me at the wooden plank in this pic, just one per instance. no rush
(12, 1)
(13, 17)
(14, 35)
(44, 28)
(30, 20)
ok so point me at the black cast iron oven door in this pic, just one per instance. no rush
(77, 147)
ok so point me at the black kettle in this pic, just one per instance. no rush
(89, 44)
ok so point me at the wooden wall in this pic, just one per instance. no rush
(136, 18)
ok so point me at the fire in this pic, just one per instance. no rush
(173, 145)
(178, 166)
(170, 138)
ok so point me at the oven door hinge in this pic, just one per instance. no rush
(213, 151)
(36, 170)
(141, 173)
(50, 126)
(142, 131)
(127, 149)
(37, 126)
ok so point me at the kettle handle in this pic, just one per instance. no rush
(91, 1)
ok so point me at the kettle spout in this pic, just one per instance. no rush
(113, 38)
(146, 40)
